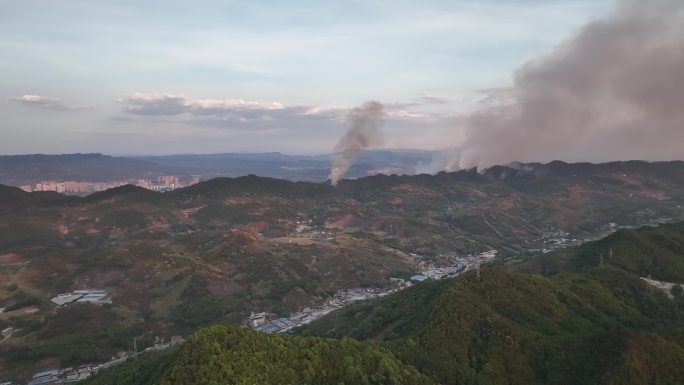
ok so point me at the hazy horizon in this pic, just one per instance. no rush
(211, 77)
(501, 80)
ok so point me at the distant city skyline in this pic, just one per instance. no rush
(146, 78)
(160, 183)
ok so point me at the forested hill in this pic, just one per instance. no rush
(590, 327)
(585, 324)
(657, 252)
(232, 355)
(599, 326)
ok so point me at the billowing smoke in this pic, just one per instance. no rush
(445, 160)
(364, 132)
(614, 91)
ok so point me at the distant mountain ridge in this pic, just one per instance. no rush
(19, 170)
(563, 169)
(26, 169)
(672, 171)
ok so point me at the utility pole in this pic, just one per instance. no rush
(135, 347)
(601, 261)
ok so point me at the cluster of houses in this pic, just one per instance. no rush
(62, 376)
(269, 323)
(305, 229)
(266, 323)
(263, 322)
(97, 297)
(551, 240)
(457, 264)
(560, 239)
(75, 374)
(302, 227)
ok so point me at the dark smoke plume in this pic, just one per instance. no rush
(364, 132)
(614, 91)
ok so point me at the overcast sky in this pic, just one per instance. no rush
(161, 77)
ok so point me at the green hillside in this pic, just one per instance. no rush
(395, 316)
(600, 326)
(648, 251)
(587, 325)
(587, 328)
(231, 355)
(576, 328)
(146, 369)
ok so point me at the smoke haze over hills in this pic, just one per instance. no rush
(613, 91)
(364, 132)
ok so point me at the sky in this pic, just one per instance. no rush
(162, 77)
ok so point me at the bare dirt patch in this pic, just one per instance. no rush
(23, 312)
(12, 259)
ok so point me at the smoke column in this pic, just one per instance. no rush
(615, 91)
(364, 132)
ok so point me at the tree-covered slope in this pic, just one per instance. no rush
(588, 327)
(648, 251)
(232, 355)
(146, 369)
(526, 329)
(599, 326)
(399, 315)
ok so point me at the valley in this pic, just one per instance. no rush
(583, 324)
(214, 252)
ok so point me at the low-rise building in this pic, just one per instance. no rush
(269, 328)
(8, 331)
(418, 278)
(65, 299)
(176, 340)
(97, 297)
(284, 324)
(256, 319)
(46, 377)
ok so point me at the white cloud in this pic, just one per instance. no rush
(155, 104)
(214, 111)
(231, 113)
(49, 103)
(169, 104)
(420, 114)
(425, 120)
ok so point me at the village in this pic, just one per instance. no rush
(95, 297)
(81, 372)
(271, 323)
(442, 266)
